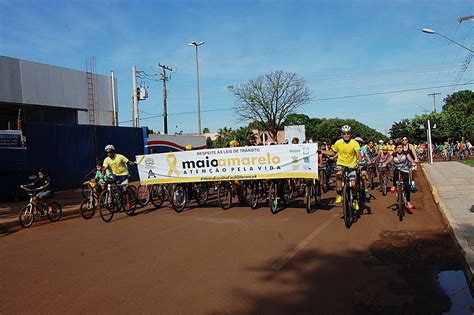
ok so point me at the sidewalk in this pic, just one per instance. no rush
(452, 185)
(69, 200)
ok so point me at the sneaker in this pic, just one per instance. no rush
(355, 205)
(410, 208)
(392, 190)
(338, 199)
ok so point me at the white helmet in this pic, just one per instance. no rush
(359, 139)
(381, 141)
(346, 128)
(109, 147)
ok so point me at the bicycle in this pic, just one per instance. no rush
(313, 194)
(184, 193)
(279, 189)
(371, 173)
(35, 208)
(227, 190)
(114, 198)
(383, 179)
(348, 198)
(89, 204)
(258, 191)
(400, 197)
(143, 195)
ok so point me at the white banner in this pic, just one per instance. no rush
(242, 163)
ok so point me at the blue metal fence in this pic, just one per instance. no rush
(69, 152)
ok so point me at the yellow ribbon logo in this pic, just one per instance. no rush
(172, 161)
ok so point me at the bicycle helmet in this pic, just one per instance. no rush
(346, 128)
(234, 143)
(359, 139)
(380, 141)
(189, 147)
(109, 147)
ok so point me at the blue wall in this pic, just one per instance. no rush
(69, 152)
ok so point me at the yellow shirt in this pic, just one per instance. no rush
(347, 152)
(117, 165)
(391, 148)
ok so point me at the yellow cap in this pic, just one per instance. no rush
(189, 147)
(234, 143)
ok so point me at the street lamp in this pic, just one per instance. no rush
(195, 44)
(430, 31)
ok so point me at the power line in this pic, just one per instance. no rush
(324, 99)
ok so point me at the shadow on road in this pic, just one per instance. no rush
(397, 276)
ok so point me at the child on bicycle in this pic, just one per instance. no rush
(402, 162)
(43, 184)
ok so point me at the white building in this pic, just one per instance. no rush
(50, 94)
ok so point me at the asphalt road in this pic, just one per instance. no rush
(211, 261)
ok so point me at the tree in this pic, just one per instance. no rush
(245, 136)
(224, 136)
(205, 130)
(400, 129)
(465, 98)
(329, 130)
(270, 98)
(209, 143)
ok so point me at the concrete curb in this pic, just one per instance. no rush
(5, 226)
(465, 251)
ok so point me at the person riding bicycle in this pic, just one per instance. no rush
(117, 165)
(44, 186)
(391, 146)
(366, 161)
(409, 149)
(348, 151)
(295, 140)
(373, 153)
(402, 161)
(234, 144)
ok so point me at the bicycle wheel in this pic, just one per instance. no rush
(224, 193)
(310, 198)
(400, 204)
(129, 199)
(143, 195)
(273, 197)
(157, 195)
(178, 201)
(347, 206)
(201, 194)
(372, 182)
(54, 211)
(87, 209)
(242, 194)
(107, 206)
(287, 193)
(254, 195)
(85, 190)
(323, 181)
(27, 216)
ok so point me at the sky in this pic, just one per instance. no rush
(343, 49)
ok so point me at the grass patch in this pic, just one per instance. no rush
(468, 162)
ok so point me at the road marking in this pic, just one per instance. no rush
(291, 254)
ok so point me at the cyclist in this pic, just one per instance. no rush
(365, 162)
(117, 165)
(295, 140)
(409, 149)
(383, 160)
(391, 146)
(348, 151)
(402, 161)
(380, 145)
(44, 185)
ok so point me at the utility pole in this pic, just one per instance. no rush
(135, 98)
(434, 100)
(165, 78)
